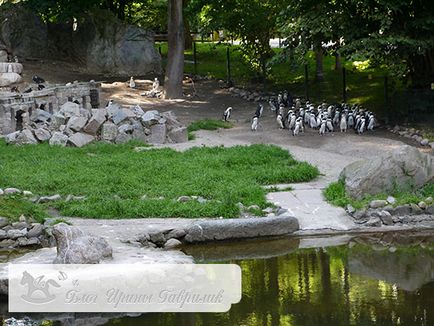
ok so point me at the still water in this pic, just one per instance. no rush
(366, 280)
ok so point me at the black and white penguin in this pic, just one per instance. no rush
(343, 123)
(371, 122)
(279, 120)
(298, 126)
(38, 80)
(329, 125)
(40, 87)
(110, 102)
(227, 113)
(255, 122)
(323, 127)
(259, 110)
(132, 83)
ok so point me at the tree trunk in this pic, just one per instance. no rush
(319, 55)
(338, 62)
(175, 56)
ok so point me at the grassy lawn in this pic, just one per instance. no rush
(364, 85)
(207, 124)
(114, 178)
(335, 194)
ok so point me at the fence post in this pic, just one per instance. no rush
(195, 57)
(344, 84)
(306, 82)
(228, 65)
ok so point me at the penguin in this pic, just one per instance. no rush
(343, 124)
(371, 122)
(38, 80)
(350, 123)
(255, 122)
(28, 90)
(329, 125)
(291, 121)
(361, 127)
(298, 104)
(298, 127)
(132, 83)
(40, 87)
(259, 110)
(322, 129)
(15, 89)
(273, 107)
(280, 100)
(336, 118)
(312, 122)
(279, 120)
(110, 102)
(227, 113)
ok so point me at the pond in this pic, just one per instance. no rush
(385, 279)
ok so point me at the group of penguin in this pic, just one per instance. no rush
(324, 118)
(37, 80)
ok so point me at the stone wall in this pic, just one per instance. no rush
(51, 98)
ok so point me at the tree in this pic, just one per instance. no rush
(175, 56)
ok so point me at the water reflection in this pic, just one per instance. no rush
(370, 280)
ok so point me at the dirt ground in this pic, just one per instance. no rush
(208, 99)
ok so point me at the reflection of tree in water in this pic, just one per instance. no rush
(317, 287)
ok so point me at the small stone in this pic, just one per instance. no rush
(374, 221)
(253, 207)
(176, 233)
(429, 200)
(3, 221)
(33, 242)
(58, 139)
(392, 249)
(22, 218)
(172, 243)
(386, 218)
(157, 238)
(359, 215)
(424, 142)
(184, 199)
(350, 209)
(76, 123)
(430, 210)
(281, 211)
(20, 225)
(422, 205)
(11, 191)
(144, 197)
(388, 208)
(35, 231)
(377, 203)
(22, 242)
(201, 200)
(3, 234)
(42, 134)
(415, 209)
(15, 234)
(74, 198)
(431, 145)
(27, 193)
(391, 200)
(240, 206)
(7, 243)
(47, 199)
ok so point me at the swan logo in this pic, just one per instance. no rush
(38, 291)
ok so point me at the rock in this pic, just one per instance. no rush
(158, 238)
(20, 225)
(26, 137)
(183, 199)
(171, 120)
(80, 139)
(241, 228)
(402, 210)
(2, 192)
(9, 78)
(201, 200)
(158, 134)
(429, 200)
(3, 56)
(76, 123)
(47, 199)
(3, 221)
(74, 247)
(415, 209)
(12, 137)
(74, 198)
(11, 191)
(70, 109)
(3, 234)
(119, 116)
(40, 116)
(377, 203)
(422, 205)
(424, 142)
(391, 200)
(7, 243)
(57, 120)
(404, 166)
(431, 145)
(138, 111)
(109, 131)
(42, 134)
(350, 209)
(430, 210)
(150, 118)
(125, 129)
(359, 215)
(95, 122)
(27, 193)
(15, 233)
(178, 135)
(123, 138)
(139, 132)
(35, 231)
(386, 217)
(176, 234)
(33, 242)
(253, 207)
(58, 139)
(172, 243)
(374, 221)
(388, 208)
(281, 211)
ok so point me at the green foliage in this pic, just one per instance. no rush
(336, 194)
(206, 124)
(115, 177)
(13, 207)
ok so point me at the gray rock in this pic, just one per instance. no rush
(391, 200)
(112, 109)
(422, 205)
(57, 120)
(388, 208)
(402, 210)
(158, 238)
(3, 56)
(424, 142)
(40, 116)
(20, 225)
(11, 191)
(430, 210)
(12, 137)
(1, 192)
(80, 139)
(402, 167)
(58, 139)
(183, 199)
(377, 203)
(374, 221)
(35, 231)
(178, 135)
(429, 200)
(74, 198)
(201, 200)
(119, 116)
(350, 209)
(176, 234)
(359, 215)
(85, 113)
(139, 132)
(431, 145)
(3, 221)
(123, 138)
(150, 118)
(70, 109)
(125, 129)
(281, 211)
(76, 123)
(171, 120)
(211, 230)
(109, 131)
(26, 137)
(27, 193)
(42, 134)
(3, 234)
(172, 243)
(95, 122)
(138, 111)
(33, 242)
(8, 243)
(74, 247)
(386, 217)
(415, 209)
(47, 199)
(253, 207)
(15, 233)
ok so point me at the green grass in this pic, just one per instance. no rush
(115, 177)
(335, 194)
(364, 84)
(207, 124)
(13, 207)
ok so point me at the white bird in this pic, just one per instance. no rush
(312, 122)
(298, 127)
(132, 83)
(322, 129)
(279, 120)
(371, 122)
(343, 124)
(350, 120)
(227, 113)
(329, 124)
(110, 102)
(361, 128)
(292, 121)
(255, 122)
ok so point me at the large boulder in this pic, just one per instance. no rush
(80, 139)
(109, 46)
(75, 247)
(404, 168)
(9, 78)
